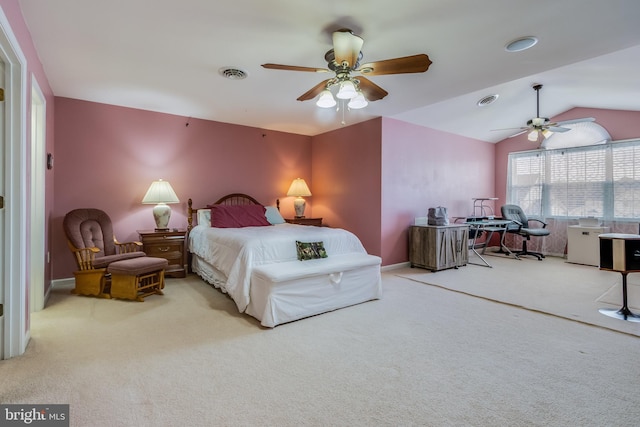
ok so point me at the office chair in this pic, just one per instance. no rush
(520, 226)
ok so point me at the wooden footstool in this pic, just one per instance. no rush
(137, 278)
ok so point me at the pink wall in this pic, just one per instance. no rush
(423, 168)
(620, 125)
(107, 156)
(346, 170)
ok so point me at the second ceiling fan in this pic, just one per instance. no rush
(344, 61)
(541, 127)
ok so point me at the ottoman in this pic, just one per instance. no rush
(137, 278)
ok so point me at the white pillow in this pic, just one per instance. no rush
(204, 217)
(273, 215)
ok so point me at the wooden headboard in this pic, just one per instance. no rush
(229, 199)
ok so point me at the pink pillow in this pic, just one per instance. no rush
(237, 216)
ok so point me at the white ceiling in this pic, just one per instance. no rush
(164, 55)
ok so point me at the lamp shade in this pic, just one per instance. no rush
(347, 90)
(299, 188)
(358, 102)
(160, 192)
(326, 99)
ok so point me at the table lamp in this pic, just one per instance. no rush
(299, 189)
(160, 193)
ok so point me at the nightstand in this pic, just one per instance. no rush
(168, 245)
(305, 221)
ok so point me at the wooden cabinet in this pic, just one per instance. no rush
(305, 221)
(168, 245)
(439, 247)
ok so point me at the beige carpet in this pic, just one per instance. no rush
(421, 356)
(551, 286)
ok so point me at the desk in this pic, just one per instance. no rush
(490, 226)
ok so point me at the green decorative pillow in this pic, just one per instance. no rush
(310, 250)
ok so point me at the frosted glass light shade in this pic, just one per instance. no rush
(160, 193)
(358, 102)
(533, 136)
(347, 90)
(326, 99)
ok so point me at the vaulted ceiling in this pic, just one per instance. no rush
(165, 56)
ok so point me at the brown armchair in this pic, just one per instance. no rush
(94, 246)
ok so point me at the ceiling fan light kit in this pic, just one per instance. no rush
(542, 126)
(343, 60)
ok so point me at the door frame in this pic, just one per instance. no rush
(37, 224)
(13, 283)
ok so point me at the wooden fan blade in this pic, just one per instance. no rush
(314, 91)
(295, 68)
(408, 64)
(346, 47)
(370, 90)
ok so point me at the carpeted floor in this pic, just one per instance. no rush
(551, 286)
(421, 356)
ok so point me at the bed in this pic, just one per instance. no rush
(259, 265)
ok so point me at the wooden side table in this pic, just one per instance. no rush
(169, 245)
(305, 221)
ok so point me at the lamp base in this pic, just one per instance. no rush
(299, 205)
(162, 213)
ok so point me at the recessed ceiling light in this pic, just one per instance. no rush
(489, 99)
(232, 73)
(523, 43)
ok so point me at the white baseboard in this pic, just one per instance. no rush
(395, 266)
(63, 282)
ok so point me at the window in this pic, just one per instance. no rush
(602, 181)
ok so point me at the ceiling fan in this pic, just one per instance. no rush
(541, 126)
(344, 61)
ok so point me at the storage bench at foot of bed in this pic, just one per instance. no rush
(288, 291)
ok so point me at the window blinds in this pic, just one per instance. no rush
(602, 181)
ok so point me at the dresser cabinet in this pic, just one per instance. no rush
(439, 247)
(169, 245)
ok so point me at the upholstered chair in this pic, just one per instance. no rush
(94, 246)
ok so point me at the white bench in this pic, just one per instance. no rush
(287, 291)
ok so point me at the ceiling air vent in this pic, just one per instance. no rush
(489, 99)
(232, 73)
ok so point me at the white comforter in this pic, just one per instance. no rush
(235, 251)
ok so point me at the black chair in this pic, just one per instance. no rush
(521, 226)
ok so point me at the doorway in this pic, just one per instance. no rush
(14, 322)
